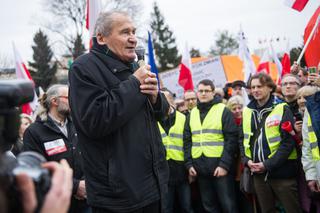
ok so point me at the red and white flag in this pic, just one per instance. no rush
(23, 73)
(286, 64)
(312, 54)
(93, 10)
(296, 4)
(185, 76)
(264, 64)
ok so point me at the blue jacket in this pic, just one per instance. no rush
(313, 106)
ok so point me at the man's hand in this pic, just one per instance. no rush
(220, 172)
(59, 195)
(192, 172)
(313, 186)
(142, 73)
(148, 82)
(295, 68)
(150, 87)
(250, 164)
(28, 195)
(298, 126)
(313, 78)
(81, 192)
(257, 167)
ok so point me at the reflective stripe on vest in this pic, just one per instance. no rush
(271, 128)
(313, 141)
(246, 127)
(207, 138)
(174, 140)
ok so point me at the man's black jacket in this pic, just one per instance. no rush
(124, 158)
(206, 165)
(42, 132)
(278, 166)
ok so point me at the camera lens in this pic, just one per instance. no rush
(30, 164)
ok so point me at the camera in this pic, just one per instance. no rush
(14, 93)
(28, 163)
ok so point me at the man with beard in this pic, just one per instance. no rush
(53, 136)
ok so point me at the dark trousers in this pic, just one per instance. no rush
(181, 191)
(151, 208)
(285, 190)
(217, 194)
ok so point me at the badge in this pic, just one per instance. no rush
(55, 147)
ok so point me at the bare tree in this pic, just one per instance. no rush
(5, 61)
(133, 8)
(68, 19)
(68, 22)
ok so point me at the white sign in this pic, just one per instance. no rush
(210, 68)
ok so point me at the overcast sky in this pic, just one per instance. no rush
(194, 22)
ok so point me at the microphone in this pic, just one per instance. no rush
(140, 54)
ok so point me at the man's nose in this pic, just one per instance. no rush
(133, 38)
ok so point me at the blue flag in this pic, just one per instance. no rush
(152, 62)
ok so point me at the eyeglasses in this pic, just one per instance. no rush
(204, 91)
(62, 96)
(190, 99)
(291, 83)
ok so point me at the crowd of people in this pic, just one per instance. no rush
(133, 147)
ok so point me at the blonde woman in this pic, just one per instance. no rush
(302, 93)
(25, 121)
(236, 104)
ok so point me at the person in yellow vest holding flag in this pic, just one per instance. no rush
(211, 140)
(268, 149)
(171, 129)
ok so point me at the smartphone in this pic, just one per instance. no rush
(298, 116)
(312, 70)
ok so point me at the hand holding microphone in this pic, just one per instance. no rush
(148, 80)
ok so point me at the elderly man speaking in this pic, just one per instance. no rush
(115, 107)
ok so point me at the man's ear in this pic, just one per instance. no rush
(54, 101)
(102, 40)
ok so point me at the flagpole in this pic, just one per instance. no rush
(308, 40)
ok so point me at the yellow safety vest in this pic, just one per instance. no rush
(271, 128)
(174, 140)
(313, 141)
(207, 138)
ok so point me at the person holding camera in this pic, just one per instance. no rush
(54, 137)
(58, 197)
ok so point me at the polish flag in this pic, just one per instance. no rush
(312, 54)
(185, 76)
(285, 64)
(264, 65)
(23, 73)
(93, 10)
(296, 4)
